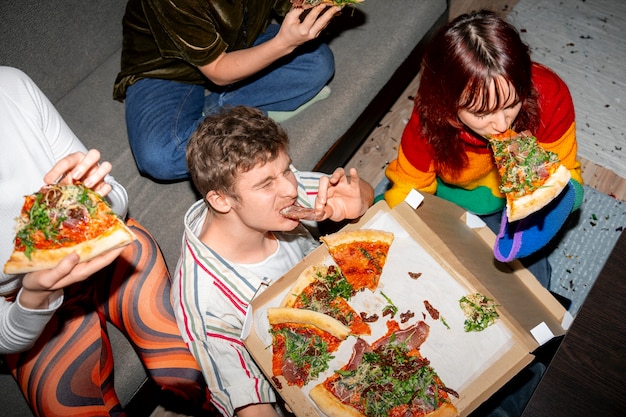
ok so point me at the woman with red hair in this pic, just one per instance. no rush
(477, 79)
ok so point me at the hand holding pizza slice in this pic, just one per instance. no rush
(307, 4)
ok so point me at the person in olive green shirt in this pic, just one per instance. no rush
(183, 60)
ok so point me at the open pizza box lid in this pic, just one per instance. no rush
(455, 258)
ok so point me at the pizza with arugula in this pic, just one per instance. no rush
(307, 4)
(531, 177)
(387, 378)
(303, 342)
(324, 289)
(61, 219)
(360, 255)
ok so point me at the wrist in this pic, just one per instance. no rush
(37, 300)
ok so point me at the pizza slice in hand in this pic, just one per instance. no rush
(307, 4)
(61, 219)
(303, 342)
(388, 378)
(531, 177)
(360, 255)
(324, 289)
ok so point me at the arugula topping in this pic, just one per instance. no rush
(328, 286)
(390, 308)
(373, 261)
(480, 312)
(392, 376)
(336, 284)
(306, 351)
(526, 163)
(49, 209)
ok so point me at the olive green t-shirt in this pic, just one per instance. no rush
(169, 39)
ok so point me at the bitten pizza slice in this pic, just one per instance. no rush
(388, 378)
(61, 219)
(303, 342)
(324, 289)
(360, 255)
(531, 177)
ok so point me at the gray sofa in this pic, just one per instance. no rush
(71, 49)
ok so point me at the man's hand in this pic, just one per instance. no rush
(234, 66)
(343, 197)
(295, 31)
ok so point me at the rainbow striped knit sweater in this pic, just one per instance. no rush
(476, 187)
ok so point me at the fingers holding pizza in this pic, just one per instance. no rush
(307, 4)
(79, 166)
(339, 197)
(342, 196)
(39, 286)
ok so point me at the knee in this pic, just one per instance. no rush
(159, 163)
(325, 62)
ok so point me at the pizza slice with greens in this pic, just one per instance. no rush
(307, 4)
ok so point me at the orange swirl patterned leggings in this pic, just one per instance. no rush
(69, 371)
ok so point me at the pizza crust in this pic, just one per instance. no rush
(306, 278)
(520, 208)
(360, 235)
(116, 236)
(278, 315)
(332, 407)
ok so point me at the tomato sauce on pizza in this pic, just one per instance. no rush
(530, 176)
(360, 255)
(59, 216)
(301, 352)
(61, 219)
(328, 292)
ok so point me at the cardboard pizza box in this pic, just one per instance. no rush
(453, 251)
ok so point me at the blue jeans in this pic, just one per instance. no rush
(162, 114)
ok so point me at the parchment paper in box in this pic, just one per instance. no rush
(473, 364)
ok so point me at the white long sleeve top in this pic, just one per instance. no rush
(33, 137)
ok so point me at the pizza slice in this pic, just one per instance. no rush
(531, 177)
(360, 255)
(324, 289)
(297, 212)
(307, 4)
(61, 219)
(303, 342)
(388, 378)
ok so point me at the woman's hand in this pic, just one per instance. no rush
(86, 168)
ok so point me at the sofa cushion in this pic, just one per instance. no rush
(58, 43)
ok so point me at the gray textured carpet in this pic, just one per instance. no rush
(583, 41)
(586, 243)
